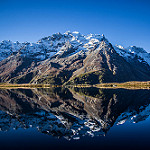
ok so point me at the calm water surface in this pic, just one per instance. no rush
(74, 118)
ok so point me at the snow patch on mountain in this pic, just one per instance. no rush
(69, 43)
(132, 52)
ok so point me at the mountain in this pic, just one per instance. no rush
(72, 58)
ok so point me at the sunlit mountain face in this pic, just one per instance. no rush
(72, 58)
(72, 112)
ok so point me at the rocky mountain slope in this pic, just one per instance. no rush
(72, 58)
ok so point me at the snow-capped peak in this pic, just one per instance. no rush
(76, 32)
(54, 45)
(132, 52)
(67, 32)
(119, 46)
(135, 49)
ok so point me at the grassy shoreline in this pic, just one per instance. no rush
(127, 85)
(27, 85)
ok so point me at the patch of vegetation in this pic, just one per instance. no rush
(26, 85)
(59, 79)
(23, 79)
(88, 78)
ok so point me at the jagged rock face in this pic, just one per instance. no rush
(71, 113)
(72, 58)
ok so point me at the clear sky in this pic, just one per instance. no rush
(125, 22)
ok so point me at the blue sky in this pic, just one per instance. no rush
(125, 22)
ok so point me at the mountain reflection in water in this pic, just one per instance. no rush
(71, 113)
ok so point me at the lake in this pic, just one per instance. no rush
(74, 118)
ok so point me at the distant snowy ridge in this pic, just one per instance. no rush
(133, 51)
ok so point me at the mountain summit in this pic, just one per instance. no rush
(72, 58)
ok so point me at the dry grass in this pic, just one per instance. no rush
(127, 85)
(26, 85)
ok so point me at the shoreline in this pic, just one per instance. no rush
(125, 85)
